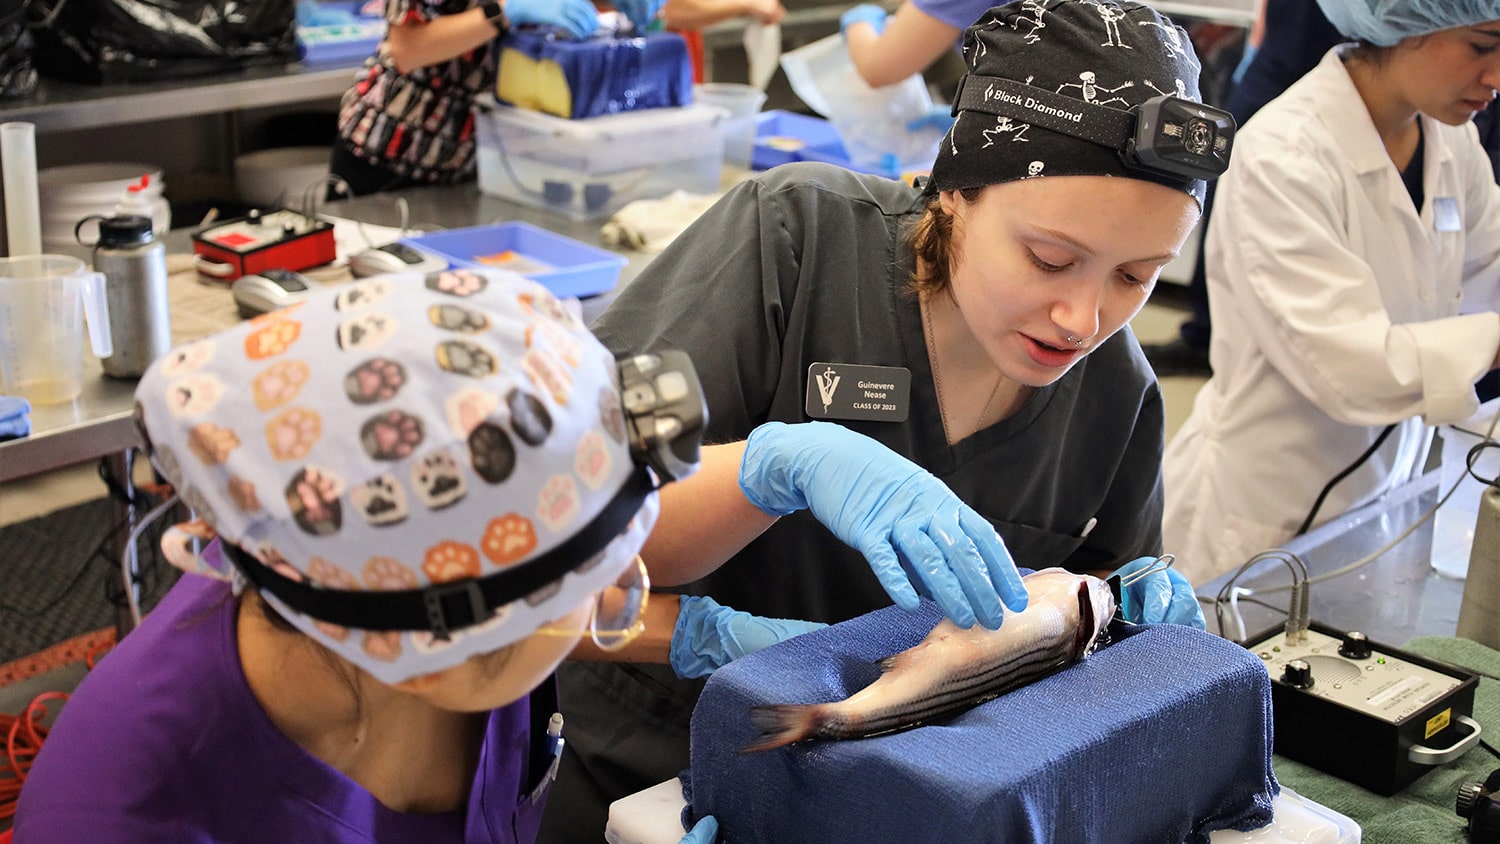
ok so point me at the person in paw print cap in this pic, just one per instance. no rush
(412, 500)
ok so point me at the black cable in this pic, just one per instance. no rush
(83, 568)
(1327, 488)
(1486, 745)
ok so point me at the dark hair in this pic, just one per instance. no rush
(930, 239)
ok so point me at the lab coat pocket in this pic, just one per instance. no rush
(1035, 547)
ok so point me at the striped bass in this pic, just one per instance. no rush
(953, 669)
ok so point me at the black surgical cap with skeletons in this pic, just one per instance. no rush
(1054, 54)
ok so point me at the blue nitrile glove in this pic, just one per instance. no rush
(640, 12)
(705, 831)
(940, 117)
(708, 636)
(1162, 597)
(918, 537)
(578, 18)
(863, 13)
(15, 417)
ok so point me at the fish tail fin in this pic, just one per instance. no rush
(781, 724)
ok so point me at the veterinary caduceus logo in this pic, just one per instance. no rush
(828, 381)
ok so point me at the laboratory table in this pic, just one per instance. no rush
(1394, 598)
(98, 423)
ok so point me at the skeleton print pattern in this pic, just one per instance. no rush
(1115, 54)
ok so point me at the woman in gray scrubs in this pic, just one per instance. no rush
(976, 326)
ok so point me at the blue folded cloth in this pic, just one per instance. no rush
(15, 418)
(1164, 735)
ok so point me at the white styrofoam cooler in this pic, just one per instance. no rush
(653, 817)
(587, 169)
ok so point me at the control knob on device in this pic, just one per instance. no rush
(1298, 674)
(1355, 645)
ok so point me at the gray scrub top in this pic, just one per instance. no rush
(807, 263)
(802, 264)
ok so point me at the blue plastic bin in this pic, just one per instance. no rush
(561, 264)
(778, 133)
(775, 128)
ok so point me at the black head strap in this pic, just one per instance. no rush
(443, 608)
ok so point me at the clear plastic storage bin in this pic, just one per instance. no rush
(586, 169)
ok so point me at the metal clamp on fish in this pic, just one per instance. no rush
(1117, 583)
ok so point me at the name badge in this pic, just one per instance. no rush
(856, 391)
(1445, 216)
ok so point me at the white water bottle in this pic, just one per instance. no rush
(140, 201)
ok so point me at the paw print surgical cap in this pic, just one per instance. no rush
(393, 436)
(1061, 54)
(1385, 22)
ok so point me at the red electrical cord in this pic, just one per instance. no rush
(24, 735)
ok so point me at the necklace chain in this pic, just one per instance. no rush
(937, 381)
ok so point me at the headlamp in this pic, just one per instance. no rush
(1168, 135)
(1173, 135)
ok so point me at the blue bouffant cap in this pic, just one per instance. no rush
(1385, 22)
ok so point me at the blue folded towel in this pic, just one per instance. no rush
(15, 418)
(1162, 736)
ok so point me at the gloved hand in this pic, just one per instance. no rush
(918, 537)
(640, 12)
(705, 831)
(708, 636)
(863, 13)
(1162, 597)
(578, 18)
(939, 118)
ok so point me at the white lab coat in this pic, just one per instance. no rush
(1336, 311)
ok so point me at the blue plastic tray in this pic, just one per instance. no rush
(561, 264)
(348, 42)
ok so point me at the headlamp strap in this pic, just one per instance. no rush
(443, 608)
(1105, 126)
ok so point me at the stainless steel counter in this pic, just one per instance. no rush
(98, 423)
(1392, 600)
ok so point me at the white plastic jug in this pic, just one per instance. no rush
(43, 300)
(872, 122)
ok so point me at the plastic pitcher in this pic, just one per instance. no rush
(870, 121)
(43, 300)
(742, 102)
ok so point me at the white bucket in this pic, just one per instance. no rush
(72, 192)
(282, 176)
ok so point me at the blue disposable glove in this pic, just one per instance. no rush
(708, 636)
(940, 117)
(578, 18)
(863, 13)
(705, 831)
(918, 537)
(1162, 597)
(640, 12)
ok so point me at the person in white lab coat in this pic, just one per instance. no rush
(1352, 267)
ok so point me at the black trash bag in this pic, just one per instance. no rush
(17, 72)
(139, 40)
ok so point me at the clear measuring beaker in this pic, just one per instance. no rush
(43, 300)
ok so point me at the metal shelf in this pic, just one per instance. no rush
(61, 105)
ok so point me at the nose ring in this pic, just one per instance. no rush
(1076, 341)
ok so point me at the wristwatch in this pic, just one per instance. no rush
(495, 14)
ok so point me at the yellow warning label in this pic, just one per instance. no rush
(1436, 723)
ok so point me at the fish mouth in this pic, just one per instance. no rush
(1093, 631)
(1083, 638)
